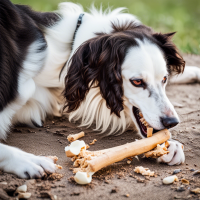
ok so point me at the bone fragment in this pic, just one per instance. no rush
(22, 188)
(158, 151)
(74, 148)
(149, 131)
(54, 158)
(58, 166)
(83, 177)
(74, 137)
(93, 142)
(143, 171)
(24, 195)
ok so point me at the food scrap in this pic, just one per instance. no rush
(185, 181)
(58, 166)
(158, 151)
(93, 142)
(143, 171)
(196, 191)
(55, 159)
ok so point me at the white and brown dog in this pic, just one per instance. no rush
(108, 66)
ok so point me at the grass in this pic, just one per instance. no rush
(182, 16)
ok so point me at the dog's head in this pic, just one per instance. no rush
(131, 66)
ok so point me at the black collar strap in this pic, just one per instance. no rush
(79, 22)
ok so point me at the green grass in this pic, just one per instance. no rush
(182, 16)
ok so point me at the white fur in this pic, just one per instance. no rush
(26, 86)
(94, 109)
(24, 165)
(147, 62)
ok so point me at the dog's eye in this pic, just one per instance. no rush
(137, 82)
(164, 79)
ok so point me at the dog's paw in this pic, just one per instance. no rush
(26, 165)
(175, 156)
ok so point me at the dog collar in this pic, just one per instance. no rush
(79, 22)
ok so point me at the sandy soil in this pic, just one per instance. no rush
(118, 180)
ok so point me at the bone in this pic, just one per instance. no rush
(91, 162)
(74, 148)
(116, 154)
(74, 137)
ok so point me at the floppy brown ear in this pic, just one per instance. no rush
(174, 60)
(98, 60)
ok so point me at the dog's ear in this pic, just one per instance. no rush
(174, 60)
(97, 61)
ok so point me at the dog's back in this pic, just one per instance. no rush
(22, 56)
(19, 29)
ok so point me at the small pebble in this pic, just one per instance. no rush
(127, 195)
(180, 189)
(178, 197)
(128, 162)
(192, 170)
(196, 191)
(22, 188)
(176, 171)
(196, 172)
(3, 183)
(185, 181)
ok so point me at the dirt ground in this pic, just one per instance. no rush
(118, 180)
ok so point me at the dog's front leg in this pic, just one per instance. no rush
(26, 89)
(24, 165)
(176, 154)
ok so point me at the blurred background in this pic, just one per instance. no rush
(182, 16)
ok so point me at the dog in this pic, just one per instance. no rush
(108, 66)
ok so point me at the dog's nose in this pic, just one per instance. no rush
(169, 122)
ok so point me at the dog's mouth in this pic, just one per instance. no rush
(141, 121)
